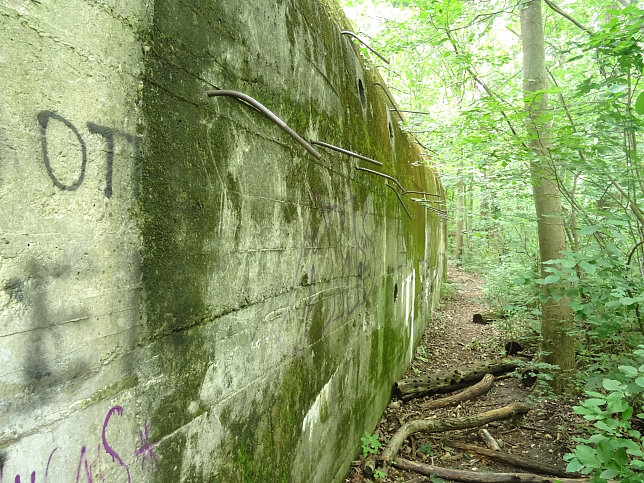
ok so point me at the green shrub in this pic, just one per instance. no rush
(615, 448)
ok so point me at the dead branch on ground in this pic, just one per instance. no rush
(452, 380)
(514, 460)
(472, 392)
(480, 477)
(440, 425)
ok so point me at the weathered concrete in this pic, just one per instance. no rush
(187, 294)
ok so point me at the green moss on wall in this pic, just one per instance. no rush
(188, 183)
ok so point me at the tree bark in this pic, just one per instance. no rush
(480, 477)
(458, 249)
(440, 425)
(468, 394)
(514, 460)
(452, 380)
(556, 316)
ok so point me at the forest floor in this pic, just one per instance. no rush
(452, 340)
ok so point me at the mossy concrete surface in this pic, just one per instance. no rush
(255, 303)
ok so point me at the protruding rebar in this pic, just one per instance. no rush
(378, 173)
(403, 190)
(264, 110)
(399, 90)
(393, 103)
(423, 193)
(346, 32)
(399, 199)
(422, 145)
(441, 213)
(413, 112)
(347, 152)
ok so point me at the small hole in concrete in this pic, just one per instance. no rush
(395, 292)
(363, 99)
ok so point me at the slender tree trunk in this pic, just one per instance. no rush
(458, 250)
(469, 220)
(556, 316)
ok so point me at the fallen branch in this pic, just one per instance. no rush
(452, 380)
(440, 425)
(480, 477)
(514, 460)
(472, 392)
(489, 441)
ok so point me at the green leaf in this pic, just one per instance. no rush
(612, 385)
(608, 474)
(637, 464)
(621, 458)
(640, 381)
(551, 279)
(628, 370)
(639, 104)
(589, 230)
(587, 456)
(574, 466)
(594, 402)
(627, 300)
(616, 88)
(587, 267)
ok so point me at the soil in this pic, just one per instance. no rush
(451, 340)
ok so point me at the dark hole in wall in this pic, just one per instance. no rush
(395, 292)
(363, 98)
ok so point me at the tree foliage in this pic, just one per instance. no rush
(460, 60)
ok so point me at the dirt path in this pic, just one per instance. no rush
(451, 340)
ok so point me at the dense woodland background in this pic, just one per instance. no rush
(533, 112)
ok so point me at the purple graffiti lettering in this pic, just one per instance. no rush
(108, 448)
(88, 473)
(49, 463)
(146, 450)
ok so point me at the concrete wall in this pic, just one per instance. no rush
(186, 293)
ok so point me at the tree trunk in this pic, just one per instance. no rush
(556, 316)
(458, 249)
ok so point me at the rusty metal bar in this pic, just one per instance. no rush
(441, 213)
(347, 152)
(414, 112)
(399, 90)
(378, 173)
(423, 193)
(389, 70)
(268, 113)
(346, 32)
(403, 190)
(393, 103)
(399, 199)
(422, 145)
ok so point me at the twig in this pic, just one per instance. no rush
(518, 461)
(481, 477)
(489, 440)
